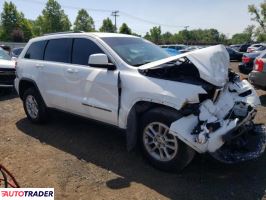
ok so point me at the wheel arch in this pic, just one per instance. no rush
(133, 119)
(26, 83)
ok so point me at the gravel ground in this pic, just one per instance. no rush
(82, 159)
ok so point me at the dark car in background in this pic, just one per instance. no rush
(6, 48)
(258, 75)
(240, 47)
(234, 55)
(246, 65)
(243, 47)
(235, 46)
(16, 52)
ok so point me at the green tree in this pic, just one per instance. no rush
(37, 28)
(10, 18)
(125, 29)
(53, 19)
(107, 26)
(250, 30)
(147, 36)
(240, 38)
(154, 35)
(84, 22)
(26, 28)
(167, 38)
(259, 16)
(14, 26)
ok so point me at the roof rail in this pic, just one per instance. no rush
(65, 32)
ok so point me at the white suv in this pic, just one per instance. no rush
(174, 106)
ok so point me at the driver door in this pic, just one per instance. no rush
(92, 92)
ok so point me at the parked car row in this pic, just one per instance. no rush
(249, 47)
(234, 54)
(176, 49)
(240, 47)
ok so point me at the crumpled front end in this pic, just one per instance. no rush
(223, 126)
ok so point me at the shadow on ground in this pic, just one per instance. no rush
(105, 146)
(7, 94)
(263, 100)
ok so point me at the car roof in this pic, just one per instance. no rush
(92, 34)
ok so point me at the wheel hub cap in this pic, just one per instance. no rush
(32, 106)
(159, 143)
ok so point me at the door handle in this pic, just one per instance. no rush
(39, 66)
(72, 70)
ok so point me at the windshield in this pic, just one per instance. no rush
(4, 55)
(136, 51)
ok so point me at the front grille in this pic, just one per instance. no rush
(7, 76)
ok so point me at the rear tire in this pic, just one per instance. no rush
(162, 149)
(34, 106)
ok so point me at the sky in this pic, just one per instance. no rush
(227, 16)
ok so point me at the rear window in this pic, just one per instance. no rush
(36, 50)
(58, 50)
(17, 51)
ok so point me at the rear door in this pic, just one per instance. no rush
(57, 58)
(32, 64)
(92, 92)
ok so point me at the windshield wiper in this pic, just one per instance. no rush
(137, 65)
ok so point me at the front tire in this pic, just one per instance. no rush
(34, 106)
(162, 149)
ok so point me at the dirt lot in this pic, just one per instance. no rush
(86, 160)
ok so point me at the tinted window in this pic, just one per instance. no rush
(82, 49)
(58, 50)
(36, 50)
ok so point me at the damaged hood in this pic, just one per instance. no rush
(212, 62)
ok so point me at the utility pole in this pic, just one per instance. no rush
(186, 27)
(115, 14)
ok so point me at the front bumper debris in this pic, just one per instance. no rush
(250, 145)
(221, 121)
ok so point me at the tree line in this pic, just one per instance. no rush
(15, 27)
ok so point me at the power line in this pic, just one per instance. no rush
(73, 7)
(150, 22)
(114, 13)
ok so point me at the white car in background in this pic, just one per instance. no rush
(7, 70)
(256, 47)
(174, 105)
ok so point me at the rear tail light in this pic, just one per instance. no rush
(259, 64)
(246, 59)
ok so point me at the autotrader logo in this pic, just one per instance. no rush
(27, 193)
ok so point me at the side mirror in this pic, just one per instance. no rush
(100, 60)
